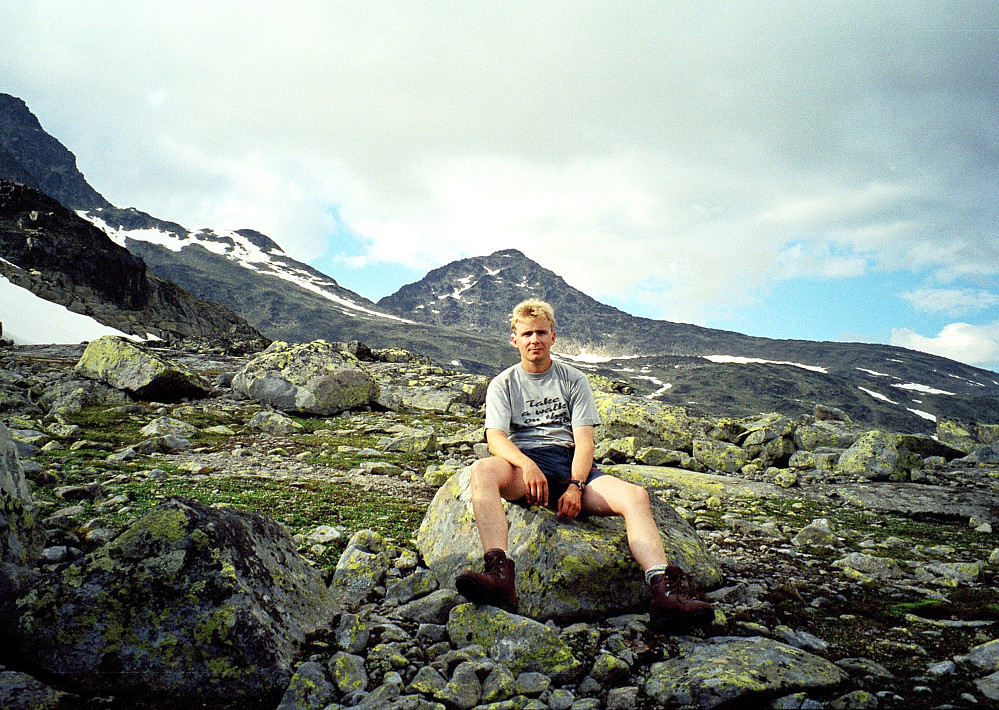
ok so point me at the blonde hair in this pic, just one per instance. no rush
(532, 308)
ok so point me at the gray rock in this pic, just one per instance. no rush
(819, 533)
(985, 656)
(125, 618)
(727, 670)
(521, 644)
(829, 433)
(877, 456)
(498, 685)
(312, 378)
(989, 686)
(310, 689)
(21, 538)
(463, 690)
(348, 672)
(352, 633)
(857, 564)
(124, 365)
(651, 423)
(431, 609)
(855, 700)
(162, 426)
(577, 568)
(19, 691)
(275, 423)
(719, 455)
(360, 569)
(623, 698)
(162, 444)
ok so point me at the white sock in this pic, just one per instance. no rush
(653, 571)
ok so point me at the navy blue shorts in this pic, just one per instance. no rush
(556, 463)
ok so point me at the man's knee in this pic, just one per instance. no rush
(487, 472)
(637, 496)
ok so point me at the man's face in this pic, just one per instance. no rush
(534, 339)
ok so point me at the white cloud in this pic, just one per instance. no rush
(976, 345)
(950, 301)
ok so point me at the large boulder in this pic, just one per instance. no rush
(21, 538)
(719, 455)
(878, 456)
(651, 423)
(188, 603)
(124, 365)
(730, 671)
(966, 436)
(827, 433)
(311, 378)
(567, 570)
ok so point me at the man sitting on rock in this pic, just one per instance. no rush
(540, 416)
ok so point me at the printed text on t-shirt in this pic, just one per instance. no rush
(545, 411)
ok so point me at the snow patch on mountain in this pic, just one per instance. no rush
(237, 247)
(877, 395)
(874, 373)
(31, 320)
(759, 361)
(925, 389)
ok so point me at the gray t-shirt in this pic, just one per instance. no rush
(540, 409)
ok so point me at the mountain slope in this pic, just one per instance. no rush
(242, 270)
(59, 256)
(458, 316)
(714, 371)
(478, 294)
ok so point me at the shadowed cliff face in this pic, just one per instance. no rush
(36, 232)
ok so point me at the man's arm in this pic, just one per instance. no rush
(582, 459)
(570, 503)
(535, 483)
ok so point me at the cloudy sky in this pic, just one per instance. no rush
(819, 170)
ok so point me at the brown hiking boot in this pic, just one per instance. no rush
(672, 605)
(494, 585)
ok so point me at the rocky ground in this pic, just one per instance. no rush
(888, 583)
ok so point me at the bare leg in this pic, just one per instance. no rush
(608, 495)
(494, 479)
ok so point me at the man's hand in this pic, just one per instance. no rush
(535, 484)
(570, 503)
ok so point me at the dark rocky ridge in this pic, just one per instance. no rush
(28, 154)
(61, 257)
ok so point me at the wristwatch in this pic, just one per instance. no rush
(578, 484)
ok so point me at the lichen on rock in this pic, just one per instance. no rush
(189, 602)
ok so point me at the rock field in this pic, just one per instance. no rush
(855, 569)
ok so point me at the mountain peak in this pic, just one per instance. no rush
(29, 151)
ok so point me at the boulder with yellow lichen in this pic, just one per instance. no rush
(316, 378)
(135, 369)
(188, 603)
(566, 569)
